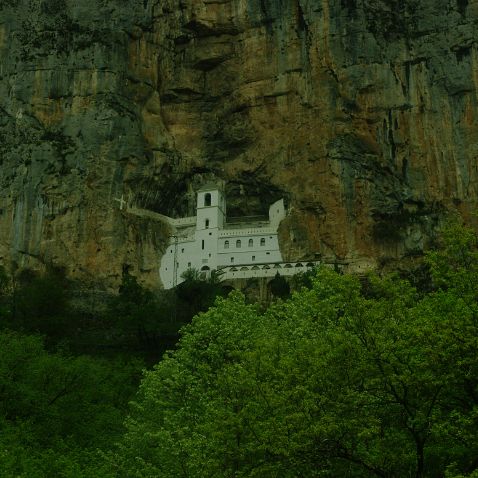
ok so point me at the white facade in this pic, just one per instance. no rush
(206, 242)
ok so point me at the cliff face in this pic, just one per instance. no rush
(361, 113)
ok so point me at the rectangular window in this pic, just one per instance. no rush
(202, 244)
(253, 258)
(232, 259)
(189, 264)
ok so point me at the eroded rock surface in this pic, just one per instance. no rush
(361, 113)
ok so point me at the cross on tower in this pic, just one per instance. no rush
(121, 201)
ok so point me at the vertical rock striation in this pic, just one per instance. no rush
(361, 113)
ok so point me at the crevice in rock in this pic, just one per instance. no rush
(462, 6)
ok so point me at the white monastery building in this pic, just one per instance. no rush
(237, 250)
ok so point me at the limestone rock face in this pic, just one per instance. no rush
(361, 113)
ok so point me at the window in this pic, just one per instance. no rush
(182, 250)
(206, 224)
(207, 199)
(251, 242)
(189, 264)
(232, 259)
(238, 243)
(263, 241)
(202, 244)
(226, 244)
(253, 258)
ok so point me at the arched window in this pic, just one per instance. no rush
(206, 224)
(226, 244)
(263, 241)
(251, 242)
(207, 199)
(238, 243)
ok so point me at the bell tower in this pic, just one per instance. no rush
(211, 207)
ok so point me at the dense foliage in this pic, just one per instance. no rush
(56, 410)
(333, 382)
(346, 378)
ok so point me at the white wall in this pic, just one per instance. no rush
(189, 254)
(276, 213)
(246, 254)
(215, 213)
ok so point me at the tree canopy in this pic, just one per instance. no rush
(347, 377)
(336, 381)
(57, 409)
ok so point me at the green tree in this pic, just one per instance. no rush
(40, 303)
(196, 294)
(332, 382)
(279, 286)
(5, 295)
(60, 396)
(56, 409)
(144, 318)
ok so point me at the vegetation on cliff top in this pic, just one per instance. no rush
(345, 378)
